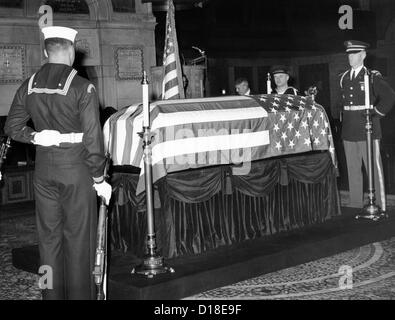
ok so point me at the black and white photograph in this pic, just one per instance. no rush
(207, 156)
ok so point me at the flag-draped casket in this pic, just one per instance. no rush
(199, 146)
(195, 133)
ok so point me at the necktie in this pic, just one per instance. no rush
(352, 75)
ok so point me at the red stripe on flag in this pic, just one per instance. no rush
(172, 84)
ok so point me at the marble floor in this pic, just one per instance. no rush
(363, 273)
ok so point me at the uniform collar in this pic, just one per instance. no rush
(357, 70)
(282, 92)
(52, 78)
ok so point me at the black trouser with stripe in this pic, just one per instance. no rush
(356, 153)
(66, 215)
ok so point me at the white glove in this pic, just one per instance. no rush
(104, 190)
(47, 138)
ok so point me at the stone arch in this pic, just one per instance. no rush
(99, 10)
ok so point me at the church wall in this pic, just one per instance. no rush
(101, 33)
(381, 59)
(21, 34)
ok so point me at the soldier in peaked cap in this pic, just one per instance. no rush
(350, 109)
(69, 164)
(281, 77)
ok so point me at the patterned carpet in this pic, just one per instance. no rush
(369, 270)
(14, 283)
(362, 273)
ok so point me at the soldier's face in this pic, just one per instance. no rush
(356, 59)
(281, 79)
(241, 88)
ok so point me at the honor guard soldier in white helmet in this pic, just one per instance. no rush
(350, 109)
(64, 109)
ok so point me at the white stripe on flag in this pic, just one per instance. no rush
(171, 92)
(195, 145)
(121, 131)
(170, 58)
(185, 117)
(170, 76)
(137, 127)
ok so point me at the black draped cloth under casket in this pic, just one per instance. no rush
(225, 170)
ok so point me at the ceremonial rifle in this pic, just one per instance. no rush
(100, 270)
(3, 153)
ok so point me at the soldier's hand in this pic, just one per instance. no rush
(104, 190)
(47, 138)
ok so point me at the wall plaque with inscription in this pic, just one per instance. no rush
(12, 63)
(68, 6)
(129, 63)
(87, 43)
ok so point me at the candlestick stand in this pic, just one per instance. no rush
(370, 211)
(268, 84)
(153, 262)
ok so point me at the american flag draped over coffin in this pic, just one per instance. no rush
(194, 133)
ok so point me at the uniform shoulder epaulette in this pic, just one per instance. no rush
(90, 88)
(376, 73)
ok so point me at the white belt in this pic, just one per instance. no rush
(355, 108)
(71, 137)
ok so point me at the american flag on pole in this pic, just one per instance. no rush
(194, 133)
(172, 87)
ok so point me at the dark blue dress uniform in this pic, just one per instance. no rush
(56, 98)
(290, 90)
(352, 103)
(283, 69)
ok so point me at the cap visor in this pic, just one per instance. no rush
(354, 51)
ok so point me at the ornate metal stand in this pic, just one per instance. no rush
(370, 211)
(153, 262)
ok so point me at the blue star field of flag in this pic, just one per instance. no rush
(296, 124)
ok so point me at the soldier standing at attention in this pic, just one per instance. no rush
(69, 164)
(352, 104)
(281, 77)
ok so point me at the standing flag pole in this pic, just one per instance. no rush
(371, 210)
(153, 263)
(172, 85)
